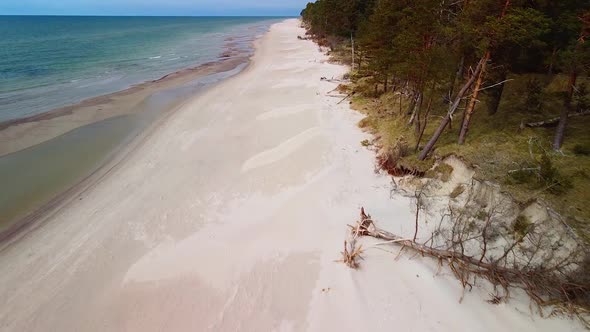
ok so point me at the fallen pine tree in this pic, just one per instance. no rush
(553, 121)
(564, 285)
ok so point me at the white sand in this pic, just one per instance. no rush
(231, 216)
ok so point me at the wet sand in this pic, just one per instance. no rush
(19, 134)
(231, 215)
(58, 150)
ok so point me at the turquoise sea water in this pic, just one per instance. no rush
(51, 61)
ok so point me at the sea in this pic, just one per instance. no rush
(51, 61)
(47, 62)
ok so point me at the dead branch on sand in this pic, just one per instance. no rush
(560, 285)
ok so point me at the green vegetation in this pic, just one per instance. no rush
(503, 85)
(458, 191)
(441, 171)
(521, 226)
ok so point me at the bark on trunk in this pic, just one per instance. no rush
(471, 107)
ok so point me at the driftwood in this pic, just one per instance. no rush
(553, 121)
(546, 285)
(343, 99)
(333, 80)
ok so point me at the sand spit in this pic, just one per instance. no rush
(227, 219)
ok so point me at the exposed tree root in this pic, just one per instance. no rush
(389, 163)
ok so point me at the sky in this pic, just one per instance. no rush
(153, 7)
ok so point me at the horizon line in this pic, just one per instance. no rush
(143, 15)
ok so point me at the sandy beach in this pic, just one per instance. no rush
(231, 215)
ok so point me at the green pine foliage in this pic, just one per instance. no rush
(413, 57)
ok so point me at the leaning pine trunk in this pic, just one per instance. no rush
(447, 119)
(473, 101)
(495, 94)
(425, 123)
(352, 43)
(560, 131)
(471, 106)
(416, 110)
(456, 77)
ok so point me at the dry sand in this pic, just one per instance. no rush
(230, 216)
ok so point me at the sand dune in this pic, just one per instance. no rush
(231, 215)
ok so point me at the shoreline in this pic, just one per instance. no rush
(231, 63)
(13, 133)
(231, 215)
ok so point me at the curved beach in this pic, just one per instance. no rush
(231, 215)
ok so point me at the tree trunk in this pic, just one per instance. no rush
(424, 124)
(416, 110)
(424, 153)
(496, 92)
(456, 77)
(360, 60)
(552, 63)
(553, 121)
(412, 104)
(560, 131)
(352, 43)
(471, 107)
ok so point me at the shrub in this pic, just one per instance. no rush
(522, 177)
(534, 95)
(457, 191)
(550, 178)
(542, 176)
(582, 150)
(482, 215)
(441, 170)
(520, 226)
(582, 98)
